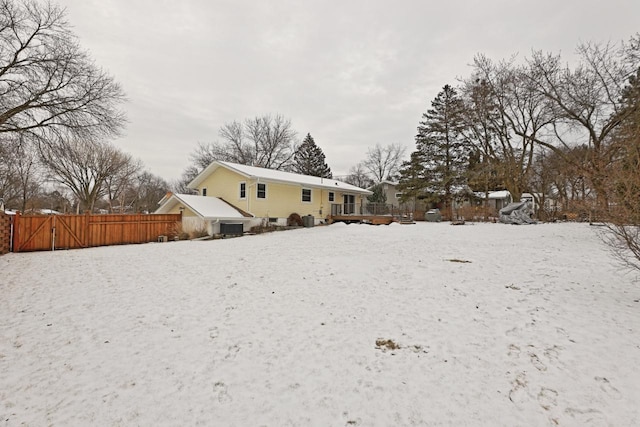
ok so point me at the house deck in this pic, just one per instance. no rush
(370, 219)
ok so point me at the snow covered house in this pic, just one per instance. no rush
(231, 194)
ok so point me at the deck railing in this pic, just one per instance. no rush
(370, 209)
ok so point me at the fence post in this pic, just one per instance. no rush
(87, 228)
(15, 244)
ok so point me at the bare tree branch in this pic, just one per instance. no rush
(47, 83)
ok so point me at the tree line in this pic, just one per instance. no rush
(58, 111)
(538, 126)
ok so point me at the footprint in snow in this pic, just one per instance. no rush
(220, 392)
(606, 386)
(535, 360)
(547, 398)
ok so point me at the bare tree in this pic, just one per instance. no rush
(506, 114)
(623, 184)
(587, 105)
(148, 189)
(265, 141)
(384, 162)
(20, 172)
(358, 176)
(83, 167)
(9, 183)
(273, 141)
(47, 83)
(119, 194)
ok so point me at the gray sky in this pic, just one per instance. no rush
(351, 73)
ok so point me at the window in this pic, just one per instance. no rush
(398, 195)
(261, 191)
(332, 196)
(306, 195)
(204, 191)
(243, 190)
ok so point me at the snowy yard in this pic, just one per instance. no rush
(496, 325)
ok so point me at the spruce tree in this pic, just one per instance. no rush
(441, 142)
(413, 182)
(309, 160)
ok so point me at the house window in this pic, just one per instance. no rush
(306, 195)
(204, 191)
(398, 195)
(261, 191)
(332, 196)
(243, 190)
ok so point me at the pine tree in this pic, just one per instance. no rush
(441, 142)
(413, 181)
(309, 160)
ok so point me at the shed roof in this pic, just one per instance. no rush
(205, 207)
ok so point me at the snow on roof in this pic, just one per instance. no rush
(204, 206)
(275, 175)
(502, 194)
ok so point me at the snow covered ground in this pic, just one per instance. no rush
(496, 325)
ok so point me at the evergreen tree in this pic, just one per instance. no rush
(378, 195)
(309, 160)
(413, 180)
(441, 142)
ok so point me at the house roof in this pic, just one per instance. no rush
(502, 194)
(277, 176)
(206, 207)
(393, 183)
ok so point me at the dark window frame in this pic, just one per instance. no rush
(263, 191)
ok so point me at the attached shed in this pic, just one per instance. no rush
(212, 214)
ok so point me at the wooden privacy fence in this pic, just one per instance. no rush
(5, 233)
(43, 233)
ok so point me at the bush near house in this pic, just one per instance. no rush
(294, 219)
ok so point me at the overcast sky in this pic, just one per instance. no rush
(351, 73)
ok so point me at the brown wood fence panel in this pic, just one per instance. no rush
(41, 233)
(32, 233)
(71, 231)
(5, 233)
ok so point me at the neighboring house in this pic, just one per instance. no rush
(497, 199)
(268, 195)
(391, 192)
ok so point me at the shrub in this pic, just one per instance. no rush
(200, 232)
(294, 219)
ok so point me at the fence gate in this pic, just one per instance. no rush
(33, 233)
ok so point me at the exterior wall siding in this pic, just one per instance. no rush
(186, 212)
(226, 184)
